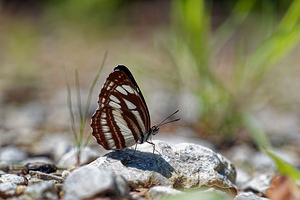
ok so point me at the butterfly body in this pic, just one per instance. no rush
(122, 118)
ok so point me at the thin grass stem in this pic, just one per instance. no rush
(93, 86)
(69, 102)
(77, 82)
(81, 121)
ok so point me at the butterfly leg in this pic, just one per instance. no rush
(153, 148)
(134, 150)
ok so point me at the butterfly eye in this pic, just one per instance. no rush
(155, 130)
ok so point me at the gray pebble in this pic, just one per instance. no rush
(159, 192)
(7, 189)
(248, 196)
(42, 190)
(12, 154)
(65, 174)
(12, 178)
(37, 159)
(258, 184)
(45, 176)
(88, 181)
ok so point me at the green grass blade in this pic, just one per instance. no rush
(291, 18)
(258, 135)
(87, 140)
(77, 83)
(90, 96)
(93, 86)
(276, 47)
(81, 122)
(285, 168)
(240, 12)
(69, 102)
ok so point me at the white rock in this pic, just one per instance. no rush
(248, 196)
(42, 190)
(181, 165)
(37, 159)
(12, 154)
(12, 178)
(7, 189)
(159, 192)
(242, 177)
(259, 183)
(65, 174)
(88, 181)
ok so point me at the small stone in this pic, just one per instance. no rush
(65, 174)
(42, 167)
(42, 190)
(87, 155)
(248, 196)
(59, 186)
(88, 181)
(45, 176)
(20, 190)
(259, 184)
(7, 189)
(242, 177)
(12, 178)
(12, 154)
(139, 193)
(34, 180)
(158, 192)
(39, 159)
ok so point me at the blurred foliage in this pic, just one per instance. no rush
(262, 141)
(285, 168)
(88, 13)
(194, 47)
(21, 45)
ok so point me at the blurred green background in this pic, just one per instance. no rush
(223, 64)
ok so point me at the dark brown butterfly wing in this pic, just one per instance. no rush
(122, 117)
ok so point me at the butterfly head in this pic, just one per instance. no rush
(154, 130)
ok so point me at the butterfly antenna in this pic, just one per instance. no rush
(168, 122)
(163, 121)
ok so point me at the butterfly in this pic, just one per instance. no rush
(122, 118)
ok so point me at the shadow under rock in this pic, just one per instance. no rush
(143, 161)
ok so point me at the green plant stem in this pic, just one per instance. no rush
(90, 95)
(69, 102)
(81, 121)
(93, 86)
